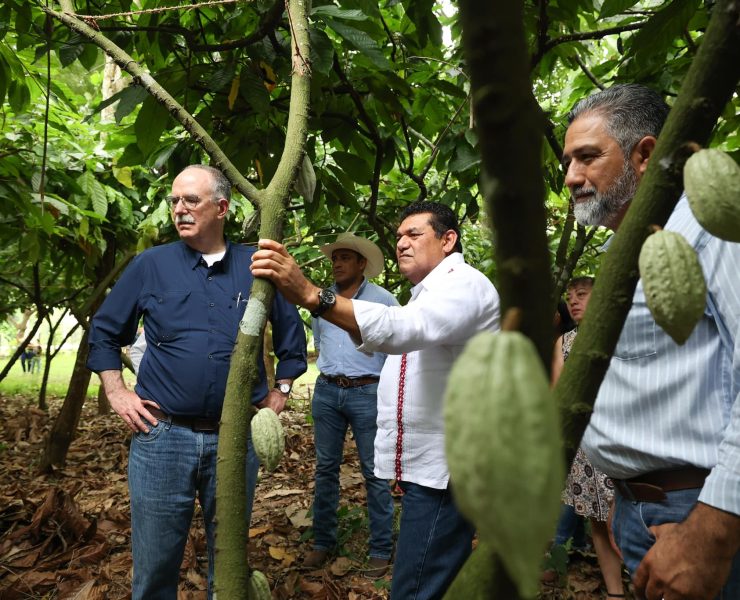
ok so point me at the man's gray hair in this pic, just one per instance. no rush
(221, 185)
(632, 111)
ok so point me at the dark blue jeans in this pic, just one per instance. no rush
(333, 410)
(631, 521)
(434, 542)
(167, 468)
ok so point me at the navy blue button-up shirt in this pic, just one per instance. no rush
(191, 319)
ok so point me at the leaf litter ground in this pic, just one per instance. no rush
(67, 536)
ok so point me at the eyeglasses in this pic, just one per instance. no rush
(190, 201)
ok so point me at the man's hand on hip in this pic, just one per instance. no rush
(127, 404)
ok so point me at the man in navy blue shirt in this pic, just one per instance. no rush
(191, 294)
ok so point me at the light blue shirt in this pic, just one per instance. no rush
(338, 354)
(664, 406)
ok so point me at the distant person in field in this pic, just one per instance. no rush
(666, 423)
(587, 489)
(191, 295)
(346, 395)
(450, 302)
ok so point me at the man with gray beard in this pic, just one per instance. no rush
(666, 422)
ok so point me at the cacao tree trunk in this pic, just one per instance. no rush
(103, 404)
(65, 425)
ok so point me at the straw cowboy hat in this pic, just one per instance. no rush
(367, 249)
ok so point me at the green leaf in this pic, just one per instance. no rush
(661, 29)
(361, 41)
(95, 191)
(89, 56)
(150, 123)
(614, 7)
(253, 90)
(463, 158)
(71, 50)
(220, 77)
(130, 98)
(19, 95)
(123, 176)
(4, 76)
(322, 51)
(355, 167)
(330, 10)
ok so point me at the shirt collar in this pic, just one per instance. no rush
(193, 257)
(334, 288)
(447, 264)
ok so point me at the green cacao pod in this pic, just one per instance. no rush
(259, 587)
(675, 290)
(711, 179)
(502, 439)
(268, 437)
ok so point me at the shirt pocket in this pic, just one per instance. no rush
(169, 315)
(638, 334)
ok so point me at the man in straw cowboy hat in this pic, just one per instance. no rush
(346, 395)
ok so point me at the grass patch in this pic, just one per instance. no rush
(28, 384)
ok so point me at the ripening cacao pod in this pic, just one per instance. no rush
(268, 437)
(259, 587)
(675, 290)
(502, 439)
(711, 179)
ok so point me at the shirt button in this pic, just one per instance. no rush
(211, 304)
(210, 278)
(210, 356)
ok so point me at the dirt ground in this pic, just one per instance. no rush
(66, 536)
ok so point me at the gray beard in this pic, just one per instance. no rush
(601, 208)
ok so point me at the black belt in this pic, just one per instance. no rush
(194, 423)
(348, 382)
(652, 487)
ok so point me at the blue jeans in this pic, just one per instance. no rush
(434, 542)
(631, 521)
(570, 525)
(167, 468)
(333, 410)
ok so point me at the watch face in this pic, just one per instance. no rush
(328, 297)
(284, 387)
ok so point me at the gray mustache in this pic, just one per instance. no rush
(184, 219)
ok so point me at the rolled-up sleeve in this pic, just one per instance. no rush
(288, 339)
(114, 325)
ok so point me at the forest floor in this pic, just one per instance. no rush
(66, 536)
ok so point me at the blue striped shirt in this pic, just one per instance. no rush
(664, 406)
(338, 354)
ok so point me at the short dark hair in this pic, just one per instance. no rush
(221, 185)
(442, 218)
(584, 281)
(631, 110)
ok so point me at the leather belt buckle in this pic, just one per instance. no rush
(343, 382)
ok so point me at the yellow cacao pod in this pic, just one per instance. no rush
(675, 290)
(259, 587)
(502, 439)
(711, 179)
(268, 437)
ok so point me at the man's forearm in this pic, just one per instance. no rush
(112, 382)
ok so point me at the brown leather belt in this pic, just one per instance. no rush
(194, 423)
(349, 382)
(652, 487)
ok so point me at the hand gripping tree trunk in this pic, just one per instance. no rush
(231, 565)
(509, 131)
